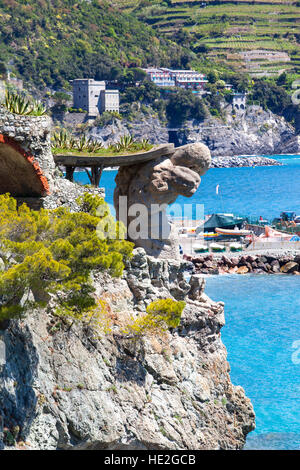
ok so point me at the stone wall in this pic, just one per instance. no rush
(28, 167)
(32, 135)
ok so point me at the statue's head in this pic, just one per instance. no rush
(180, 174)
(195, 156)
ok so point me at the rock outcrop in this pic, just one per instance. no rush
(142, 128)
(250, 132)
(27, 166)
(149, 188)
(62, 387)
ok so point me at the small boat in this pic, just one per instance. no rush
(226, 221)
(187, 231)
(236, 247)
(234, 232)
(217, 248)
(273, 235)
(207, 235)
(200, 248)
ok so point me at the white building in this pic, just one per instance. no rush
(161, 77)
(164, 77)
(93, 97)
(239, 101)
(110, 100)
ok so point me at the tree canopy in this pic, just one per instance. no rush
(55, 251)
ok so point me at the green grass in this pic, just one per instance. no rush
(105, 152)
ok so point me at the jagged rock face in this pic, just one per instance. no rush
(72, 390)
(148, 128)
(253, 132)
(153, 186)
(65, 193)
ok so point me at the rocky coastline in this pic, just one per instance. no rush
(245, 161)
(65, 385)
(253, 131)
(272, 262)
(64, 388)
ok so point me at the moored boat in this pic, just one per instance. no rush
(200, 248)
(236, 247)
(234, 232)
(226, 221)
(217, 248)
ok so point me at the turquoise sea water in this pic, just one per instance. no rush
(259, 191)
(262, 337)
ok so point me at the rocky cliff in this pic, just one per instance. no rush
(62, 387)
(249, 132)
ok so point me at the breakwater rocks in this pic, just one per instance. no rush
(230, 162)
(64, 387)
(283, 263)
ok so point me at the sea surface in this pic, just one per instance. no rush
(254, 192)
(262, 337)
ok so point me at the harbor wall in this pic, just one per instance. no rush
(280, 262)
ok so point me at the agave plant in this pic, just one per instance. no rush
(17, 104)
(94, 145)
(82, 143)
(72, 143)
(38, 109)
(145, 144)
(126, 142)
(61, 139)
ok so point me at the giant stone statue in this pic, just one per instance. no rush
(150, 187)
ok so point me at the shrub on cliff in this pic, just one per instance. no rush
(160, 315)
(55, 251)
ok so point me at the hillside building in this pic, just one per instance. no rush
(93, 97)
(239, 101)
(188, 79)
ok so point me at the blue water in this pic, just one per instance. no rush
(262, 337)
(259, 191)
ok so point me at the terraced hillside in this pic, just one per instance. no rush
(230, 31)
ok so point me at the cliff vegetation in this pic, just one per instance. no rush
(48, 43)
(55, 251)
